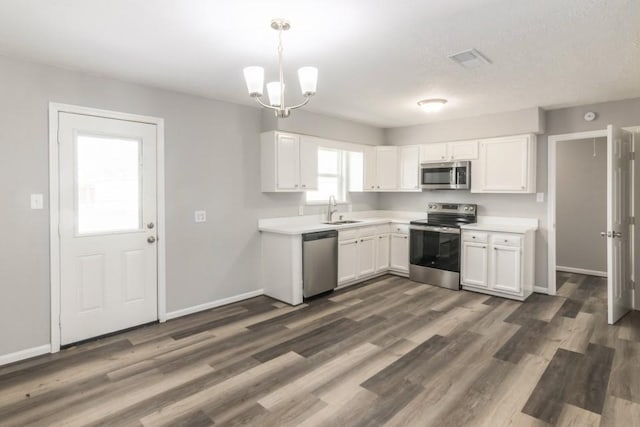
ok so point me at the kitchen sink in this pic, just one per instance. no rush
(345, 221)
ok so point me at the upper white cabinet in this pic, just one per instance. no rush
(409, 167)
(370, 180)
(505, 165)
(289, 162)
(449, 151)
(386, 168)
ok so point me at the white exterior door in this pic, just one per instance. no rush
(108, 250)
(288, 152)
(618, 219)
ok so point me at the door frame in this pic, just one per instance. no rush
(552, 144)
(54, 206)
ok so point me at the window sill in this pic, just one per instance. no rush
(324, 203)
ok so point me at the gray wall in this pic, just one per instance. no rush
(566, 120)
(212, 162)
(581, 204)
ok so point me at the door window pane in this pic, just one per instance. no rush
(108, 188)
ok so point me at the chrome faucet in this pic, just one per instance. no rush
(332, 208)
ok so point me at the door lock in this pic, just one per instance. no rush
(617, 234)
(151, 239)
(605, 233)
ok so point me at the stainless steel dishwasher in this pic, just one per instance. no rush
(319, 262)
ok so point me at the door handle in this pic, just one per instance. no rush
(151, 239)
(617, 234)
(605, 233)
(150, 225)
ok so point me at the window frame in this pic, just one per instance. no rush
(342, 177)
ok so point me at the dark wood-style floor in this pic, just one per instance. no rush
(390, 352)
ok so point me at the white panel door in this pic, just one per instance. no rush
(618, 213)
(506, 268)
(108, 268)
(367, 256)
(409, 167)
(387, 168)
(399, 252)
(347, 260)
(370, 169)
(308, 165)
(382, 253)
(288, 161)
(473, 269)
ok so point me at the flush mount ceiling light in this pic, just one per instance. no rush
(254, 78)
(470, 58)
(432, 105)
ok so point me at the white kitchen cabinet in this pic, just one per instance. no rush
(409, 167)
(370, 180)
(366, 256)
(433, 152)
(347, 260)
(473, 270)
(289, 162)
(399, 252)
(449, 151)
(498, 263)
(386, 168)
(382, 253)
(462, 150)
(505, 165)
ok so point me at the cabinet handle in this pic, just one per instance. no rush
(296, 186)
(304, 185)
(373, 186)
(506, 241)
(473, 237)
(405, 237)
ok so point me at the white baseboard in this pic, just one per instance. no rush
(213, 304)
(24, 354)
(581, 271)
(540, 290)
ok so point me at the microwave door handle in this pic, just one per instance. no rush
(453, 178)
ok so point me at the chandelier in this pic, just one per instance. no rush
(254, 78)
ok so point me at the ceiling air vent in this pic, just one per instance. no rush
(470, 58)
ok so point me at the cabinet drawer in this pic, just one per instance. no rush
(400, 228)
(349, 234)
(473, 236)
(366, 231)
(382, 229)
(506, 240)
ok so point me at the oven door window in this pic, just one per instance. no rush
(436, 250)
(436, 176)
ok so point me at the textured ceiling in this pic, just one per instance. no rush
(377, 58)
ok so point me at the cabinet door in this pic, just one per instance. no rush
(370, 181)
(505, 269)
(308, 165)
(399, 253)
(504, 164)
(347, 260)
(387, 168)
(433, 152)
(367, 256)
(463, 150)
(474, 264)
(409, 167)
(288, 162)
(382, 253)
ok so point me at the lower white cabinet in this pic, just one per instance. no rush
(399, 253)
(498, 263)
(382, 253)
(347, 260)
(366, 255)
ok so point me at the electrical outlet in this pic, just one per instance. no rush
(37, 201)
(200, 216)
(539, 197)
(301, 210)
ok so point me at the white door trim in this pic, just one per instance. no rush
(551, 190)
(54, 206)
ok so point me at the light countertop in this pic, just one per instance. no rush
(502, 228)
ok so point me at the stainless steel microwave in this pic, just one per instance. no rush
(445, 176)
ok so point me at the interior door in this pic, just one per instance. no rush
(619, 143)
(108, 268)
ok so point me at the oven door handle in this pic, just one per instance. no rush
(446, 230)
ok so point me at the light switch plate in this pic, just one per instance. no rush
(200, 216)
(37, 201)
(539, 197)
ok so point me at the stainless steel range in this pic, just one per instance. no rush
(435, 244)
